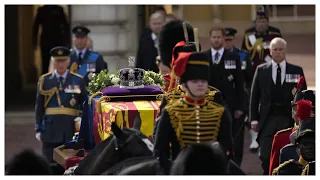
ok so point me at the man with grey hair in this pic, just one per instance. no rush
(273, 88)
(148, 45)
(60, 97)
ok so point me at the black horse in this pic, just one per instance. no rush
(149, 165)
(123, 144)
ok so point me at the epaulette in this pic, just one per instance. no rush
(213, 88)
(284, 130)
(44, 75)
(75, 74)
(276, 170)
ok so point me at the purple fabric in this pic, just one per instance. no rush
(117, 91)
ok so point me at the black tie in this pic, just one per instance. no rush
(60, 83)
(80, 56)
(216, 57)
(278, 81)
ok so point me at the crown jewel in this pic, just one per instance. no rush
(131, 78)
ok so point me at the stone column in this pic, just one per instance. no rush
(113, 28)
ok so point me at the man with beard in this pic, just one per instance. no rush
(305, 142)
(84, 61)
(226, 75)
(246, 68)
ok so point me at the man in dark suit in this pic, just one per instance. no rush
(84, 61)
(148, 45)
(55, 31)
(274, 85)
(246, 68)
(226, 75)
(59, 100)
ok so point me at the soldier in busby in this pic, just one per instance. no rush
(304, 143)
(193, 118)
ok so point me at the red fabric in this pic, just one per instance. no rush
(279, 141)
(300, 83)
(180, 64)
(191, 101)
(72, 161)
(179, 44)
(304, 109)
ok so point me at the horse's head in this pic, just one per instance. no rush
(125, 143)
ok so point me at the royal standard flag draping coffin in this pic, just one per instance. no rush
(120, 105)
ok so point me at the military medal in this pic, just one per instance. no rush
(244, 65)
(72, 101)
(294, 90)
(230, 77)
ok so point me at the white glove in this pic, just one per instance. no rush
(38, 135)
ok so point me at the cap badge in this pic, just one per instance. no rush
(60, 52)
(79, 30)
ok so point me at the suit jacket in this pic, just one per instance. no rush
(55, 27)
(88, 58)
(147, 54)
(261, 91)
(56, 109)
(228, 80)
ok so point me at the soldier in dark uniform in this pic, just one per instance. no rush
(305, 142)
(282, 137)
(55, 31)
(289, 151)
(226, 75)
(273, 87)
(309, 169)
(192, 119)
(84, 61)
(59, 100)
(246, 68)
(257, 39)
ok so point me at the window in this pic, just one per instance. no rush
(291, 12)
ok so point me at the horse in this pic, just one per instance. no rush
(149, 165)
(123, 144)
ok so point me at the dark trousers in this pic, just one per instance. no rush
(238, 138)
(272, 125)
(47, 150)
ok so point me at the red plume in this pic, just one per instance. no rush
(179, 44)
(300, 83)
(180, 64)
(304, 109)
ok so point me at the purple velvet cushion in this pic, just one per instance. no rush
(117, 91)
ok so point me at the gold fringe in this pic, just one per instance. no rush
(305, 170)
(93, 96)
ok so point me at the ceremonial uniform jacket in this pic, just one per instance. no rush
(309, 169)
(258, 44)
(57, 106)
(186, 122)
(280, 139)
(172, 96)
(290, 167)
(228, 78)
(92, 62)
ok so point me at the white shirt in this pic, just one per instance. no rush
(64, 75)
(213, 54)
(155, 40)
(274, 71)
